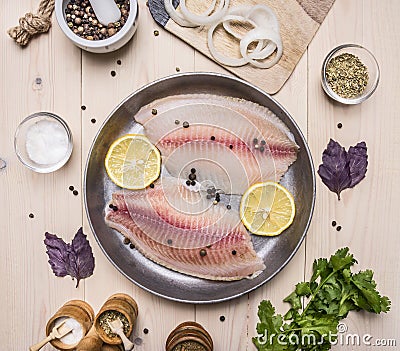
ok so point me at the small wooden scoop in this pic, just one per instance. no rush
(117, 327)
(58, 332)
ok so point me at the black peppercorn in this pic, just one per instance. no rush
(193, 170)
(213, 138)
(203, 252)
(188, 182)
(222, 318)
(192, 176)
(127, 241)
(71, 187)
(193, 183)
(185, 124)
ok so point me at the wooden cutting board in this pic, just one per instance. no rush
(299, 21)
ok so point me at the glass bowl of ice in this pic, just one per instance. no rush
(43, 142)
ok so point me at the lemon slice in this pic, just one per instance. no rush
(267, 209)
(133, 162)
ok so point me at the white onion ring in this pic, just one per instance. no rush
(259, 34)
(251, 14)
(261, 45)
(270, 20)
(205, 20)
(262, 54)
(176, 16)
(225, 60)
(263, 49)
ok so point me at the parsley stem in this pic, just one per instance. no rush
(321, 284)
(291, 330)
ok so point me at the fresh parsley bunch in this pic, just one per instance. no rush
(332, 292)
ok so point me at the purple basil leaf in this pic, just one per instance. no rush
(335, 169)
(75, 259)
(358, 162)
(57, 252)
(80, 257)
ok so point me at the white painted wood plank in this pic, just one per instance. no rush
(367, 213)
(146, 58)
(30, 292)
(239, 327)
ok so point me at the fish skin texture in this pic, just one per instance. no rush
(159, 223)
(219, 141)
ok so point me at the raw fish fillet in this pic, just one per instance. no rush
(174, 227)
(220, 140)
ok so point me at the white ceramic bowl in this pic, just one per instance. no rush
(100, 46)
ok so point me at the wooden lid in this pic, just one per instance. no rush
(189, 332)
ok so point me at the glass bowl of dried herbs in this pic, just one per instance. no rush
(350, 74)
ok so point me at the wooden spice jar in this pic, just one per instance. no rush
(189, 336)
(80, 311)
(95, 339)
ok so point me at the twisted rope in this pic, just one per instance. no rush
(32, 24)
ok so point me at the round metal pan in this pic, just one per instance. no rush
(275, 251)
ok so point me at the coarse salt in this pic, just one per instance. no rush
(75, 335)
(46, 142)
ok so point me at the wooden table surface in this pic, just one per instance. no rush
(71, 78)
